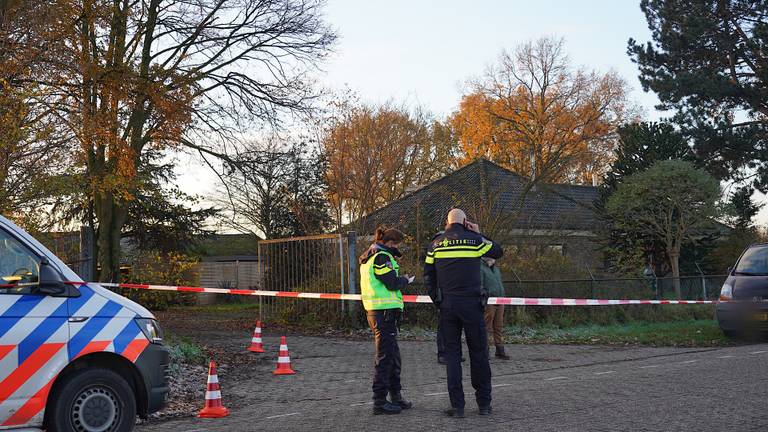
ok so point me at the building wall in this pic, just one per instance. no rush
(581, 248)
(238, 274)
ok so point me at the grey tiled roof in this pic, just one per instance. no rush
(488, 191)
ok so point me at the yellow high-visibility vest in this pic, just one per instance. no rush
(375, 294)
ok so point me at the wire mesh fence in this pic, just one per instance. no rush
(316, 264)
(327, 264)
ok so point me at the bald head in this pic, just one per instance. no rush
(456, 216)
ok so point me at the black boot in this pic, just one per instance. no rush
(454, 412)
(500, 352)
(397, 399)
(383, 406)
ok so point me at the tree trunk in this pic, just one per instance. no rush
(674, 262)
(111, 214)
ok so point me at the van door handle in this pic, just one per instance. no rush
(77, 319)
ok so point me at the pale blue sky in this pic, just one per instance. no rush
(421, 51)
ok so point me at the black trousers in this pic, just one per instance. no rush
(441, 338)
(464, 313)
(387, 361)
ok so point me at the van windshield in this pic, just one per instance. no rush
(754, 262)
(18, 266)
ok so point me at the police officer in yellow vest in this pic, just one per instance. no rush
(380, 285)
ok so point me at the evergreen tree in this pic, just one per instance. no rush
(743, 209)
(645, 204)
(707, 62)
(640, 146)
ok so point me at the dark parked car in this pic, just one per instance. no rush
(747, 284)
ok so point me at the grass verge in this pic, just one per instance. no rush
(183, 351)
(691, 333)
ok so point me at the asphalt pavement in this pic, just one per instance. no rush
(543, 388)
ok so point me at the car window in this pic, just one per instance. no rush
(19, 267)
(754, 261)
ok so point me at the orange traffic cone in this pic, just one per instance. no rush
(213, 407)
(256, 345)
(283, 360)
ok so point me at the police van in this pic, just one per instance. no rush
(73, 356)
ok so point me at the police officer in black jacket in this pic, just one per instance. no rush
(439, 337)
(452, 273)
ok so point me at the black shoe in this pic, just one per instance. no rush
(455, 412)
(485, 411)
(385, 407)
(397, 399)
(500, 352)
(443, 361)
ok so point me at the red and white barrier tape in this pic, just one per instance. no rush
(515, 301)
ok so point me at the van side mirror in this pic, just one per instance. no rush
(730, 270)
(50, 281)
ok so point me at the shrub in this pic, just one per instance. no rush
(162, 269)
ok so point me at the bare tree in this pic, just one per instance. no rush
(278, 191)
(253, 195)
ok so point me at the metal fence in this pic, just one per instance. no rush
(317, 264)
(328, 264)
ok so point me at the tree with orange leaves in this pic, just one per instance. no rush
(377, 154)
(130, 79)
(533, 113)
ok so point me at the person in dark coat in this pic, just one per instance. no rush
(452, 272)
(494, 313)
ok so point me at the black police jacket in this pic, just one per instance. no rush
(452, 263)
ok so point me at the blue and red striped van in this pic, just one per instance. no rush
(73, 356)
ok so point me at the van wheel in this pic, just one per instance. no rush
(93, 400)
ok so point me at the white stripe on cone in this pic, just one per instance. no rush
(213, 395)
(283, 359)
(213, 379)
(283, 347)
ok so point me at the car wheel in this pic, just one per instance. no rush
(93, 400)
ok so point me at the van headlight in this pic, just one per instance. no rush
(726, 292)
(151, 329)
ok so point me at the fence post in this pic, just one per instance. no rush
(519, 281)
(86, 253)
(342, 269)
(352, 267)
(237, 274)
(260, 273)
(591, 281)
(703, 281)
